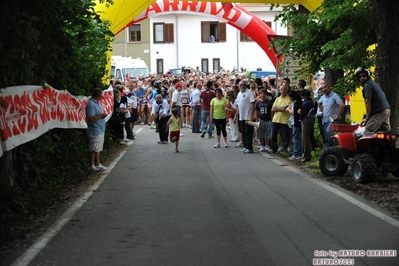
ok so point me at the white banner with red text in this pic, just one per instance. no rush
(27, 112)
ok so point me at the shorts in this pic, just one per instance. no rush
(134, 115)
(175, 134)
(96, 143)
(265, 130)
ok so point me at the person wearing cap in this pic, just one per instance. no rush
(176, 99)
(378, 109)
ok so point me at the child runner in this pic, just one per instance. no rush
(175, 125)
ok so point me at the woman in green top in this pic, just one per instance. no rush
(218, 116)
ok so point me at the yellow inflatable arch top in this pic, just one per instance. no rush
(124, 11)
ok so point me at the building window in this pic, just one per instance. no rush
(135, 33)
(215, 28)
(216, 64)
(160, 68)
(245, 38)
(163, 33)
(205, 65)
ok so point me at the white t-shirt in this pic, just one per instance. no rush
(129, 103)
(133, 98)
(176, 98)
(124, 105)
(244, 102)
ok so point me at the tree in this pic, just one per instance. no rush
(340, 36)
(387, 62)
(329, 38)
(63, 43)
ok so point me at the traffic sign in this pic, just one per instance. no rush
(290, 67)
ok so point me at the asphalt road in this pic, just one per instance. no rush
(207, 206)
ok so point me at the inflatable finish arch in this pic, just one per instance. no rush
(126, 12)
(234, 15)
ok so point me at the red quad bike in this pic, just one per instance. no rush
(372, 156)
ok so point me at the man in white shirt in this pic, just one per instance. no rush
(245, 112)
(196, 106)
(176, 98)
(131, 95)
(161, 114)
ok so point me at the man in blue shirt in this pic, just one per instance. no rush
(95, 129)
(196, 106)
(332, 107)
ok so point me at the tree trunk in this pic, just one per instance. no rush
(331, 76)
(7, 174)
(387, 65)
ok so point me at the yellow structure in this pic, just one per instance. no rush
(124, 11)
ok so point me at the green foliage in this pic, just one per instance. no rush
(47, 170)
(335, 36)
(63, 43)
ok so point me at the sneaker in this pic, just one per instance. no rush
(243, 150)
(262, 149)
(293, 157)
(280, 148)
(289, 149)
(173, 139)
(226, 145)
(203, 134)
(93, 168)
(217, 145)
(153, 127)
(239, 145)
(101, 167)
(177, 150)
(210, 137)
(268, 149)
(128, 140)
(181, 134)
(248, 151)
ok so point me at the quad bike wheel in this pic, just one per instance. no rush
(364, 168)
(331, 162)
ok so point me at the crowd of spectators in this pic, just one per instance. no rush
(285, 113)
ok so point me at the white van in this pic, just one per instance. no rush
(121, 65)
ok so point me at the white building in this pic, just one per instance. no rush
(183, 39)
